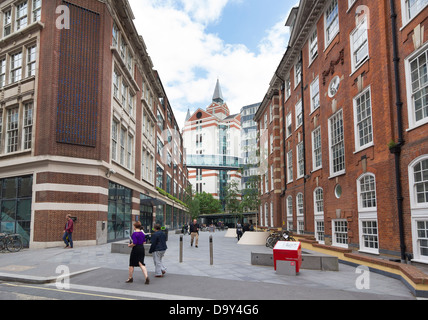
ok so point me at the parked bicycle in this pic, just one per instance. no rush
(279, 236)
(10, 242)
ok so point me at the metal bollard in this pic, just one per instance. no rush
(181, 249)
(211, 251)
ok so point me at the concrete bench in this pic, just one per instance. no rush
(310, 261)
(122, 248)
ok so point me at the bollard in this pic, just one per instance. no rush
(211, 251)
(181, 249)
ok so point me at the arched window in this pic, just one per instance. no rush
(418, 185)
(318, 201)
(299, 200)
(367, 213)
(367, 192)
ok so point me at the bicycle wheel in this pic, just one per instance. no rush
(2, 246)
(14, 244)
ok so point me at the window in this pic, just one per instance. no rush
(16, 67)
(299, 201)
(340, 233)
(421, 182)
(28, 126)
(300, 161)
(159, 176)
(369, 235)
(272, 178)
(160, 147)
(289, 206)
(331, 21)
(417, 87)
(2, 73)
(422, 238)
(320, 231)
(12, 130)
(316, 149)
(7, 23)
(337, 145)
(1, 129)
(290, 166)
(122, 144)
(363, 120)
(367, 192)
(359, 44)
(37, 10)
(313, 46)
(116, 81)
(130, 152)
(412, 8)
(318, 201)
(31, 61)
(287, 88)
(115, 35)
(297, 73)
(289, 125)
(21, 15)
(114, 140)
(315, 94)
(299, 114)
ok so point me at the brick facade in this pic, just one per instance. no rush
(68, 107)
(351, 127)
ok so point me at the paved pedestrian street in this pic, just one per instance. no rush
(100, 274)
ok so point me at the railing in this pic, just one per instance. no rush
(218, 162)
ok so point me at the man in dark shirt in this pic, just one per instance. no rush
(194, 233)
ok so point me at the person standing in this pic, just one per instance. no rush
(138, 253)
(194, 233)
(239, 230)
(158, 249)
(68, 232)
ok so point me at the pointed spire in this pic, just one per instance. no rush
(218, 95)
(188, 115)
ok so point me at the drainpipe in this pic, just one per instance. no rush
(305, 176)
(396, 150)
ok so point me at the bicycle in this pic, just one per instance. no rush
(11, 242)
(278, 236)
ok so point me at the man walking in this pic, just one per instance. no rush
(158, 249)
(68, 232)
(194, 233)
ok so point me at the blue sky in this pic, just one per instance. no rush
(194, 42)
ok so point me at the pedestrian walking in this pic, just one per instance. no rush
(158, 249)
(239, 230)
(138, 253)
(194, 233)
(68, 232)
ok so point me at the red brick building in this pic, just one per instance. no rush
(351, 97)
(81, 111)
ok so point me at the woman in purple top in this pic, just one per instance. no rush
(138, 253)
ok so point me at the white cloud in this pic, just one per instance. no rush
(190, 60)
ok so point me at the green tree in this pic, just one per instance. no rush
(208, 204)
(251, 195)
(192, 203)
(231, 198)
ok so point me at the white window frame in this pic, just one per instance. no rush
(290, 206)
(300, 160)
(315, 148)
(299, 114)
(289, 125)
(405, 11)
(300, 207)
(23, 17)
(297, 76)
(313, 46)
(315, 94)
(362, 31)
(317, 201)
(330, 37)
(290, 166)
(340, 172)
(413, 123)
(363, 236)
(335, 233)
(367, 119)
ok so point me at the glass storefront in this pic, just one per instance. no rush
(119, 212)
(15, 204)
(146, 214)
